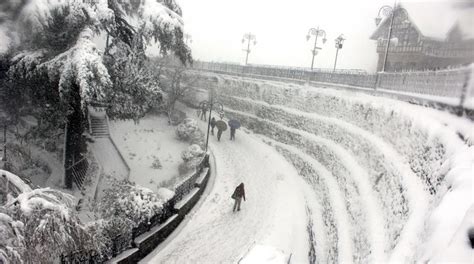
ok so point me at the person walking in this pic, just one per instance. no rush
(232, 133)
(219, 134)
(238, 194)
(213, 124)
(203, 113)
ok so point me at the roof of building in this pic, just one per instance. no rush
(435, 19)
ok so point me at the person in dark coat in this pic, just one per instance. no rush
(219, 134)
(213, 124)
(232, 133)
(203, 113)
(238, 194)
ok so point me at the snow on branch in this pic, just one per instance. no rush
(156, 15)
(44, 199)
(37, 15)
(51, 225)
(82, 64)
(12, 243)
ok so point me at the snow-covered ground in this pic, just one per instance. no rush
(274, 215)
(142, 144)
(376, 180)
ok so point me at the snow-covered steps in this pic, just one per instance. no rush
(99, 126)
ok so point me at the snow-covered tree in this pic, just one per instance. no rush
(135, 88)
(50, 43)
(175, 83)
(50, 225)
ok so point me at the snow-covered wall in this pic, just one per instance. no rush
(392, 179)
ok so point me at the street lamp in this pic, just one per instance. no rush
(387, 11)
(249, 37)
(210, 105)
(188, 37)
(338, 43)
(315, 32)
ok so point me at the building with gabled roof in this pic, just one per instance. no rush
(426, 36)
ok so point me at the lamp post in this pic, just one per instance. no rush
(388, 11)
(210, 105)
(315, 32)
(338, 43)
(187, 38)
(249, 37)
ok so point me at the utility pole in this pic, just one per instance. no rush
(249, 37)
(315, 32)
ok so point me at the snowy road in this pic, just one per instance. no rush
(274, 214)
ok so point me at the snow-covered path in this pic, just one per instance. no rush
(109, 158)
(274, 214)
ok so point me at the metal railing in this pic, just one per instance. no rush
(78, 171)
(455, 83)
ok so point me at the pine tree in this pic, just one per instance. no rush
(56, 51)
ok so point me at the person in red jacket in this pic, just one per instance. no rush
(238, 194)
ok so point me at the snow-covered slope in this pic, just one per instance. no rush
(392, 181)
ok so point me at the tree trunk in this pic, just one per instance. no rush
(75, 144)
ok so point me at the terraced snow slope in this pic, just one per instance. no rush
(393, 181)
(384, 181)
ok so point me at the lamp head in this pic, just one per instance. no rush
(378, 20)
(307, 37)
(324, 40)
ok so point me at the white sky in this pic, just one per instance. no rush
(217, 27)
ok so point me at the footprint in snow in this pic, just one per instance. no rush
(280, 177)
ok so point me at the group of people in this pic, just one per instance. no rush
(219, 131)
(239, 192)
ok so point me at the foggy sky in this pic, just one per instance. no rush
(217, 27)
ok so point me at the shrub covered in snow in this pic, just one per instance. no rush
(126, 200)
(156, 164)
(188, 127)
(107, 232)
(191, 157)
(188, 130)
(177, 116)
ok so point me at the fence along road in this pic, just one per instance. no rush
(454, 87)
